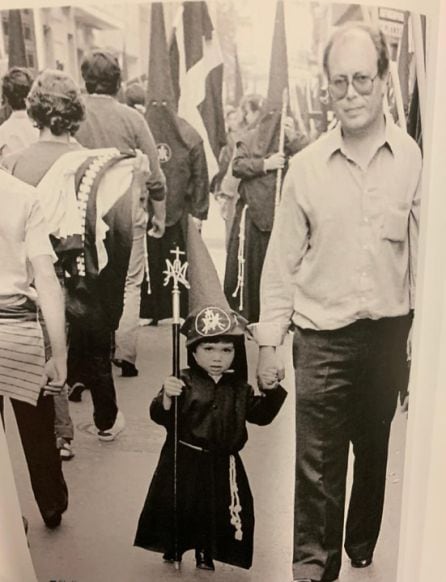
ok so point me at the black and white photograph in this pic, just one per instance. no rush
(222, 291)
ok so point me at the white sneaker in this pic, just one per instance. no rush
(111, 433)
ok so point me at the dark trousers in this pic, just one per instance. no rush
(347, 383)
(89, 362)
(36, 428)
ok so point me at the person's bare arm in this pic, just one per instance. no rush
(52, 304)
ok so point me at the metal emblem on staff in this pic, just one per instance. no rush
(176, 270)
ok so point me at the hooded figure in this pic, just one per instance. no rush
(183, 161)
(215, 513)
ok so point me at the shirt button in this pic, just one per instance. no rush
(366, 219)
(214, 406)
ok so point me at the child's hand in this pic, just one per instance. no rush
(173, 386)
(268, 379)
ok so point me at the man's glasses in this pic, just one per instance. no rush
(363, 85)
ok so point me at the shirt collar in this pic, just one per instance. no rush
(335, 142)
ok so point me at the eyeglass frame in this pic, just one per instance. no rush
(351, 81)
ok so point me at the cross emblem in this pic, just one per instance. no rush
(176, 270)
(164, 152)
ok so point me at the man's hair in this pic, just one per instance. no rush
(253, 101)
(101, 73)
(15, 87)
(214, 339)
(135, 95)
(376, 36)
(55, 102)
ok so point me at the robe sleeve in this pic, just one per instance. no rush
(157, 412)
(244, 166)
(263, 408)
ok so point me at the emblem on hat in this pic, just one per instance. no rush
(212, 321)
(164, 152)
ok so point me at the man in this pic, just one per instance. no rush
(109, 123)
(17, 132)
(341, 270)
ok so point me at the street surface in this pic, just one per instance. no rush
(108, 483)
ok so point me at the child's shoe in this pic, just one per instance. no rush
(204, 560)
(169, 558)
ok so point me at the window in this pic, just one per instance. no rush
(5, 27)
(30, 60)
(27, 32)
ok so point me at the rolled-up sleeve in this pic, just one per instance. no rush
(286, 249)
(37, 241)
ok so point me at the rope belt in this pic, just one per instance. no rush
(195, 447)
(241, 259)
(146, 265)
(234, 507)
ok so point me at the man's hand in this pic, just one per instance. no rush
(274, 162)
(158, 228)
(270, 370)
(55, 375)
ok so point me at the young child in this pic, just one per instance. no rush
(215, 513)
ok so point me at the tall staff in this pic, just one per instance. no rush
(283, 118)
(176, 271)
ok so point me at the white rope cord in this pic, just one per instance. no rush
(234, 507)
(146, 265)
(84, 192)
(241, 259)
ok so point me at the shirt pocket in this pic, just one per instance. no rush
(396, 223)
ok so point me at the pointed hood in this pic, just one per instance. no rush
(210, 316)
(160, 88)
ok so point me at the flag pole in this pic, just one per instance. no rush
(176, 270)
(281, 144)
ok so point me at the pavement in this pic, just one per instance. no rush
(108, 483)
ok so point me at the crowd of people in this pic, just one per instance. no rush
(97, 201)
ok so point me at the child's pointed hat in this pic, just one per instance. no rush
(209, 311)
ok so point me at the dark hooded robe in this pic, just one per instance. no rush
(183, 161)
(256, 203)
(215, 509)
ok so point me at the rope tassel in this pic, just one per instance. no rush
(241, 259)
(235, 507)
(146, 265)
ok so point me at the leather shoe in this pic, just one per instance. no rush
(203, 560)
(129, 370)
(361, 563)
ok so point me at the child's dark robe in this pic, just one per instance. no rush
(212, 417)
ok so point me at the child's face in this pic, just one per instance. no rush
(214, 358)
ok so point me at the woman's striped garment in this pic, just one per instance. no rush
(22, 360)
